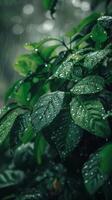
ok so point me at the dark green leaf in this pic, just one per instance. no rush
(64, 134)
(89, 85)
(40, 146)
(7, 123)
(88, 114)
(98, 34)
(93, 177)
(10, 178)
(94, 58)
(46, 109)
(88, 20)
(105, 21)
(20, 129)
(70, 69)
(106, 159)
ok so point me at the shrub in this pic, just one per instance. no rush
(55, 127)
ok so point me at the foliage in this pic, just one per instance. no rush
(55, 129)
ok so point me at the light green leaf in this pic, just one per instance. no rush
(36, 45)
(88, 114)
(22, 95)
(27, 63)
(46, 109)
(89, 85)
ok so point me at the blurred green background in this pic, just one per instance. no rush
(23, 21)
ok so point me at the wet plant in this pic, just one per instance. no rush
(56, 125)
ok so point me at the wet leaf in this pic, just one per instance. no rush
(88, 114)
(93, 177)
(7, 109)
(105, 21)
(94, 58)
(63, 134)
(7, 123)
(20, 129)
(89, 85)
(46, 109)
(69, 71)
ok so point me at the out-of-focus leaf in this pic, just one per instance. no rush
(98, 34)
(36, 45)
(28, 63)
(10, 178)
(22, 96)
(88, 20)
(40, 146)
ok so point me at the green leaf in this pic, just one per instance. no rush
(40, 146)
(7, 109)
(98, 34)
(7, 123)
(50, 5)
(28, 63)
(106, 159)
(105, 21)
(68, 71)
(36, 45)
(85, 22)
(63, 134)
(47, 51)
(10, 178)
(22, 95)
(21, 130)
(98, 168)
(88, 114)
(93, 177)
(94, 58)
(46, 109)
(47, 4)
(89, 85)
